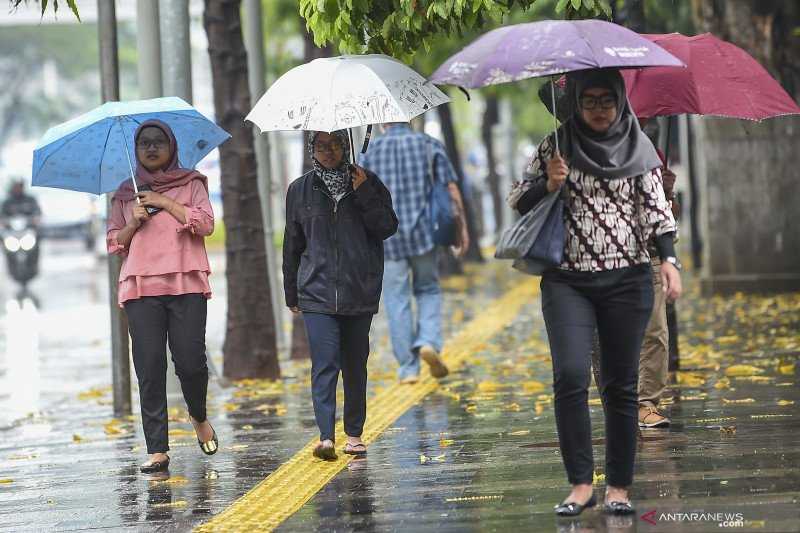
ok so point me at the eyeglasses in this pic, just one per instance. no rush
(158, 145)
(330, 148)
(606, 101)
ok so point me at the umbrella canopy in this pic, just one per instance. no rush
(95, 152)
(721, 80)
(336, 93)
(546, 48)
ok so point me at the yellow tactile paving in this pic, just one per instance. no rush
(287, 489)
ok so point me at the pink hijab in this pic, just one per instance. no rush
(171, 176)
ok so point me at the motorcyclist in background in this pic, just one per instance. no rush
(19, 203)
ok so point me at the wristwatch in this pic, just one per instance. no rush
(674, 260)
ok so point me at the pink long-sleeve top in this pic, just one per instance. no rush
(165, 257)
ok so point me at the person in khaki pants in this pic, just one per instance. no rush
(654, 357)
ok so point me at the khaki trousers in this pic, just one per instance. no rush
(654, 358)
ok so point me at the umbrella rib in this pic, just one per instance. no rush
(102, 157)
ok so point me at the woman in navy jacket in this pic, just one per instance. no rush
(337, 217)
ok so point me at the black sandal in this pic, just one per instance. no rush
(350, 449)
(155, 466)
(210, 447)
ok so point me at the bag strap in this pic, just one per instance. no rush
(431, 166)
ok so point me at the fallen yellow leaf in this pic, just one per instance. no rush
(787, 369)
(444, 443)
(743, 370)
(423, 459)
(6, 481)
(22, 457)
(172, 480)
(532, 387)
(723, 383)
(742, 400)
(230, 407)
(179, 503)
(596, 401)
(520, 432)
(247, 427)
(76, 437)
(598, 478)
(94, 393)
(490, 386)
(691, 379)
(785, 402)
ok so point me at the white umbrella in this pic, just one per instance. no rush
(336, 93)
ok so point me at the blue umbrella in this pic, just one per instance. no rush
(95, 152)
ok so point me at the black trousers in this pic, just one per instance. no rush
(338, 343)
(618, 303)
(180, 321)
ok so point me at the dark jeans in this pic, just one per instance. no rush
(339, 343)
(618, 303)
(181, 321)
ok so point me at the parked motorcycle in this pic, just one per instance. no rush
(21, 245)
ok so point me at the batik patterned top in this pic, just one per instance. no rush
(608, 221)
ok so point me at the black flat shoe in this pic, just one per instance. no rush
(155, 466)
(573, 508)
(210, 447)
(618, 508)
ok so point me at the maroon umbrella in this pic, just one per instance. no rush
(721, 80)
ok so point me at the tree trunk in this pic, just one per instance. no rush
(300, 347)
(491, 117)
(449, 134)
(249, 347)
(747, 178)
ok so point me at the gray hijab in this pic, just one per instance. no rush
(624, 150)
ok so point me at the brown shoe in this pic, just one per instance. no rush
(438, 368)
(650, 417)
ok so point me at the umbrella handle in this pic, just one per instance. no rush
(555, 118)
(130, 166)
(352, 148)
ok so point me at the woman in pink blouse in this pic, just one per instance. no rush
(163, 284)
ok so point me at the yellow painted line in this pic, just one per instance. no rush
(287, 489)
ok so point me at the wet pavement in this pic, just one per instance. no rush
(478, 454)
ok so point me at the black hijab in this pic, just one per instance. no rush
(624, 150)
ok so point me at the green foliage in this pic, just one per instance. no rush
(400, 28)
(583, 9)
(282, 36)
(71, 4)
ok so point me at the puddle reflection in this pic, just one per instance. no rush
(20, 367)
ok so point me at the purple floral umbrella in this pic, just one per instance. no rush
(548, 48)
